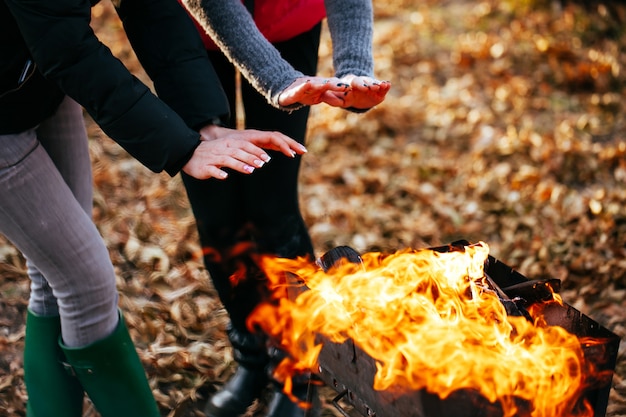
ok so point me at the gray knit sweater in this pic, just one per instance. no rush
(232, 28)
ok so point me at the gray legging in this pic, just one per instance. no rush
(45, 211)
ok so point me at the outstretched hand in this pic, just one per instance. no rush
(240, 150)
(363, 93)
(309, 91)
(348, 92)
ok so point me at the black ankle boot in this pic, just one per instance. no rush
(245, 386)
(247, 383)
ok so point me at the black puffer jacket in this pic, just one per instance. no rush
(67, 58)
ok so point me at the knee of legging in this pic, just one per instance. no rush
(92, 300)
(89, 315)
(91, 292)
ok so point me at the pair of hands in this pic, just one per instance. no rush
(351, 91)
(240, 150)
(243, 150)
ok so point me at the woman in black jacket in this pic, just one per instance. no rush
(52, 64)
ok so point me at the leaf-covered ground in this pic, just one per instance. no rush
(505, 124)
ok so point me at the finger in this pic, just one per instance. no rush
(368, 83)
(309, 92)
(335, 99)
(250, 155)
(238, 162)
(279, 142)
(385, 85)
(205, 171)
(326, 84)
(312, 93)
(211, 171)
(237, 154)
(283, 144)
(363, 86)
(381, 87)
(366, 97)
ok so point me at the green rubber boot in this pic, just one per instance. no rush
(52, 391)
(112, 375)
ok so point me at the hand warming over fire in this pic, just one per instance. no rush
(363, 93)
(348, 92)
(312, 90)
(240, 150)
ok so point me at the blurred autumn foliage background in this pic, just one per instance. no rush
(505, 124)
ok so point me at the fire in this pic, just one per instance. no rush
(429, 321)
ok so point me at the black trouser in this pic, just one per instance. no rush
(257, 213)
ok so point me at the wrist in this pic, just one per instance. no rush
(211, 130)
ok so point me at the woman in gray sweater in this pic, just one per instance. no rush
(274, 45)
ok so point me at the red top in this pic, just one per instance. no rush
(280, 20)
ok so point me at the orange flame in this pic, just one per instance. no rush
(429, 322)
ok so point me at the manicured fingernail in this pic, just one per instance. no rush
(258, 163)
(266, 157)
(304, 149)
(223, 174)
(249, 169)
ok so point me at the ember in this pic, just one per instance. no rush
(430, 320)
